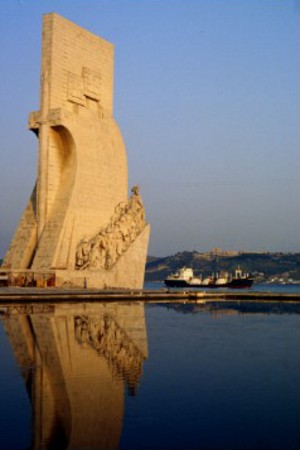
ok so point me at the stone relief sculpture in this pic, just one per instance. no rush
(103, 250)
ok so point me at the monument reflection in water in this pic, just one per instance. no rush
(76, 360)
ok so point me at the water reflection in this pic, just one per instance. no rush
(76, 360)
(221, 308)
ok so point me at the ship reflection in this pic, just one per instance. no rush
(76, 361)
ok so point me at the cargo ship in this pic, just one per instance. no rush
(184, 277)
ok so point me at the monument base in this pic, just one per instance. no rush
(127, 273)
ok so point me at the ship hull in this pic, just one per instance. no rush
(234, 284)
(176, 283)
(238, 283)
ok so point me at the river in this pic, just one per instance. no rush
(150, 376)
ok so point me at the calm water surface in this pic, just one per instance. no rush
(263, 287)
(135, 376)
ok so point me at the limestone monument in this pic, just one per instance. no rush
(79, 227)
(76, 361)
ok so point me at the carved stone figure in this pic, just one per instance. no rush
(103, 251)
(83, 253)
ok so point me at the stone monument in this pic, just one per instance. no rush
(79, 227)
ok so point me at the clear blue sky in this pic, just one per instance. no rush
(207, 99)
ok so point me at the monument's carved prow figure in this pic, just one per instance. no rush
(79, 224)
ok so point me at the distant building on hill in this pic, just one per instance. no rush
(216, 251)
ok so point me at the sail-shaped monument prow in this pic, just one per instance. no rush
(79, 228)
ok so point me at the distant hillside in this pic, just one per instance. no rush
(270, 267)
(264, 266)
(152, 258)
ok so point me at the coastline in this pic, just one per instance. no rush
(52, 294)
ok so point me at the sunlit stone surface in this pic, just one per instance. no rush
(79, 227)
